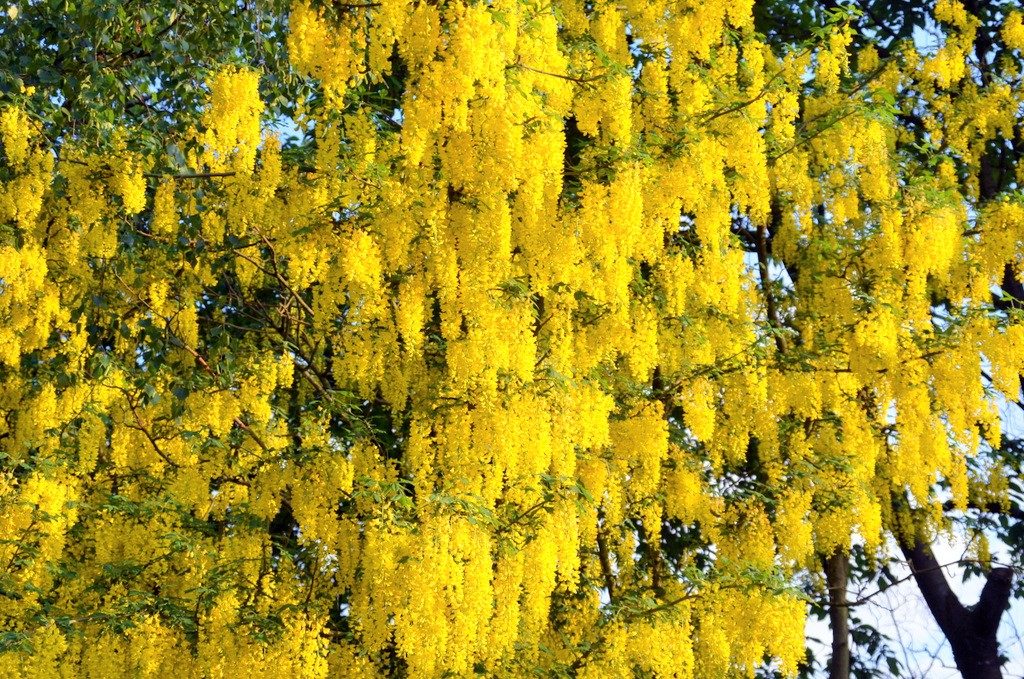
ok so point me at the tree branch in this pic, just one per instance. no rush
(931, 580)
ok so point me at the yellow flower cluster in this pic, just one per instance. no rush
(21, 196)
(1013, 31)
(28, 305)
(431, 401)
(232, 120)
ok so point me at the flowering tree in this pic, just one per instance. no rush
(966, 49)
(441, 339)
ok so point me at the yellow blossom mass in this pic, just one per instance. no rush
(504, 381)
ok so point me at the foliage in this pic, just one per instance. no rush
(544, 339)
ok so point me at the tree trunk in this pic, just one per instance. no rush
(971, 631)
(837, 573)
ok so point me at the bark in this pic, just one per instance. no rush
(837, 573)
(971, 630)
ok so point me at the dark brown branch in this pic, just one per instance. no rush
(575, 79)
(606, 564)
(163, 456)
(189, 175)
(739, 106)
(927, 571)
(766, 287)
(995, 596)
(868, 597)
(837, 574)
(1011, 511)
(971, 631)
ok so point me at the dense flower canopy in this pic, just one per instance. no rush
(563, 338)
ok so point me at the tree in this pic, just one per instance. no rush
(555, 339)
(984, 37)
